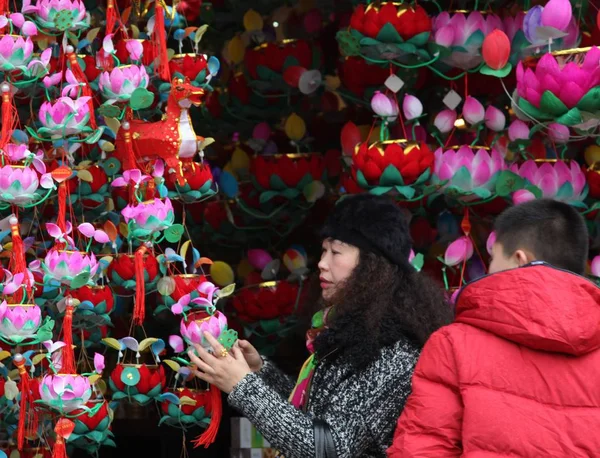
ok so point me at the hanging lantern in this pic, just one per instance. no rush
(396, 166)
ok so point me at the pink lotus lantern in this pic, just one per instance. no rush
(193, 328)
(65, 392)
(463, 36)
(15, 53)
(147, 218)
(466, 173)
(559, 88)
(64, 117)
(19, 322)
(18, 184)
(58, 15)
(119, 84)
(70, 268)
(559, 180)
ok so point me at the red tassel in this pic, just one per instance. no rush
(18, 264)
(4, 9)
(26, 398)
(64, 428)
(61, 218)
(10, 117)
(68, 356)
(111, 17)
(86, 89)
(129, 160)
(139, 308)
(209, 436)
(160, 41)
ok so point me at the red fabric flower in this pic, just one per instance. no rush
(95, 295)
(196, 175)
(290, 170)
(124, 266)
(411, 161)
(201, 397)
(254, 304)
(274, 55)
(150, 376)
(407, 20)
(188, 65)
(89, 420)
(185, 284)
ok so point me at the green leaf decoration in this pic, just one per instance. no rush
(290, 61)
(475, 40)
(565, 191)
(423, 177)
(508, 182)
(418, 262)
(368, 41)
(500, 73)
(591, 101)
(462, 180)
(109, 111)
(406, 191)
(349, 44)
(361, 180)
(482, 193)
(80, 280)
(380, 190)
(552, 104)
(277, 183)
(407, 48)
(173, 234)
(420, 39)
(391, 177)
(290, 193)
(141, 98)
(532, 111)
(267, 196)
(91, 139)
(571, 118)
(265, 73)
(388, 34)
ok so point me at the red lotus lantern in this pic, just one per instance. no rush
(189, 65)
(496, 51)
(266, 301)
(276, 57)
(121, 271)
(395, 165)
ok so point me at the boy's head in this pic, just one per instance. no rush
(540, 230)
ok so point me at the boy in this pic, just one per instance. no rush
(517, 374)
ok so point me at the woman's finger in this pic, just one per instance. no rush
(199, 360)
(237, 353)
(202, 365)
(205, 356)
(219, 350)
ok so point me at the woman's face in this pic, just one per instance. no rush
(338, 260)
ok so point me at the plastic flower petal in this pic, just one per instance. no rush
(458, 251)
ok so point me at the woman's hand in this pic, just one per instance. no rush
(221, 368)
(251, 355)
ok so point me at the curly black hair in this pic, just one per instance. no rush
(378, 305)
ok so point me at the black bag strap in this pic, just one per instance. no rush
(324, 446)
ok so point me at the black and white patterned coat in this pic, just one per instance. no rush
(361, 408)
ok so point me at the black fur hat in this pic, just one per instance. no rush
(371, 223)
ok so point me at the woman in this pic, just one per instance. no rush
(376, 314)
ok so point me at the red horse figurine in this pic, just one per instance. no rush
(170, 139)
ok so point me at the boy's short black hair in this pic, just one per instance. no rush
(554, 232)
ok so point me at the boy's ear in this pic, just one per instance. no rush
(524, 257)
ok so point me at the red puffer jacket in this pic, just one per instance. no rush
(517, 374)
